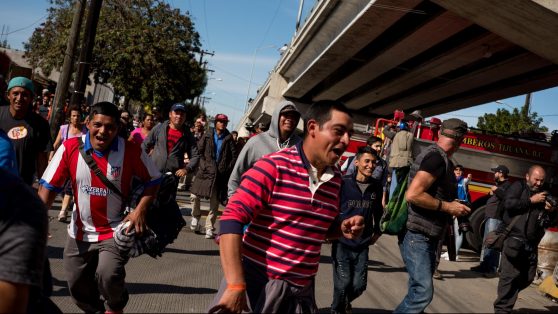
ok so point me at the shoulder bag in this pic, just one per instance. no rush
(495, 239)
(163, 218)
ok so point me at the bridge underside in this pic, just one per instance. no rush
(437, 56)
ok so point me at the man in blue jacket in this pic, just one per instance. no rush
(361, 194)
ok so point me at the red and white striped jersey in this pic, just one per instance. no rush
(98, 210)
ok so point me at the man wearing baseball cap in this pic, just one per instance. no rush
(493, 213)
(431, 198)
(281, 134)
(218, 154)
(167, 142)
(29, 133)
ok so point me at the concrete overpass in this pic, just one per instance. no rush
(437, 56)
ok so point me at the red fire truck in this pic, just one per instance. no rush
(478, 153)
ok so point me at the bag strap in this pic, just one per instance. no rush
(508, 228)
(93, 166)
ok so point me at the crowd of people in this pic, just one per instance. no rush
(284, 196)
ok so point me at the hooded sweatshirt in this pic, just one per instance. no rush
(260, 145)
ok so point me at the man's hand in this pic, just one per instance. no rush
(455, 208)
(352, 228)
(137, 221)
(232, 301)
(181, 172)
(538, 198)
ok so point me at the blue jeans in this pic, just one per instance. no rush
(490, 258)
(350, 271)
(419, 254)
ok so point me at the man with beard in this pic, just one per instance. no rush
(94, 265)
(290, 198)
(217, 157)
(527, 201)
(431, 196)
(29, 133)
(281, 134)
(493, 213)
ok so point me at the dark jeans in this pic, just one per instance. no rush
(490, 258)
(419, 254)
(516, 274)
(350, 272)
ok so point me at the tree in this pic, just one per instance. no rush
(518, 121)
(144, 48)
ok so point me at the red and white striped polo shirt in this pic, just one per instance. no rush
(97, 210)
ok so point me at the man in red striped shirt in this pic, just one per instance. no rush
(291, 200)
(94, 265)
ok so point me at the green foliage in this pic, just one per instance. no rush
(516, 122)
(144, 48)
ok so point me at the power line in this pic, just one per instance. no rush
(231, 74)
(205, 22)
(271, 23)
(26, 27)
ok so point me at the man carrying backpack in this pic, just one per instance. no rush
(493, 213)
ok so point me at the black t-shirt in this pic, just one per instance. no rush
(434, 164)
(23, 232)
(30, 136)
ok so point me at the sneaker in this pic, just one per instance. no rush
(62, 217)
(209, 234)
(445, 256)
(490, 274)
(437, 275)
(478, 269)
(194, 224)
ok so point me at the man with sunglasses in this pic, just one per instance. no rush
(218, 154)
(431, 196)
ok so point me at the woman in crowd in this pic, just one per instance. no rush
(138, 135)
(72, 129)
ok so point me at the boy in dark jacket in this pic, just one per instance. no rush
(361, 194)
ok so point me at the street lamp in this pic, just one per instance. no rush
(252, 71)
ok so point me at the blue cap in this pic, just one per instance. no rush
(21, 81)
(178, 106)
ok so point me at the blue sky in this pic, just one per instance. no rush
(246, 35)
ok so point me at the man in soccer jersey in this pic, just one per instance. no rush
(94, 265)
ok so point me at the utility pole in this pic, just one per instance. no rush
(64, 81)
(86, 51)
(203, 64)
(528, 103)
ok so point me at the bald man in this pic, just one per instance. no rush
(518, 264)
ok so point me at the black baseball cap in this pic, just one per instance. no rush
(501, 168)
(454, 128)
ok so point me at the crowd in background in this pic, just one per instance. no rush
(284, 195)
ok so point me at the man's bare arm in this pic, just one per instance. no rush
(47, 196)
(417, 195)
(14, 297)
(234, 298)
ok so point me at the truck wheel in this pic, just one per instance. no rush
(474, 237)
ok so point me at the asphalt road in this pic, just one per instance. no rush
(186, 278)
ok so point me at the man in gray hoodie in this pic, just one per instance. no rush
(281, 134)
